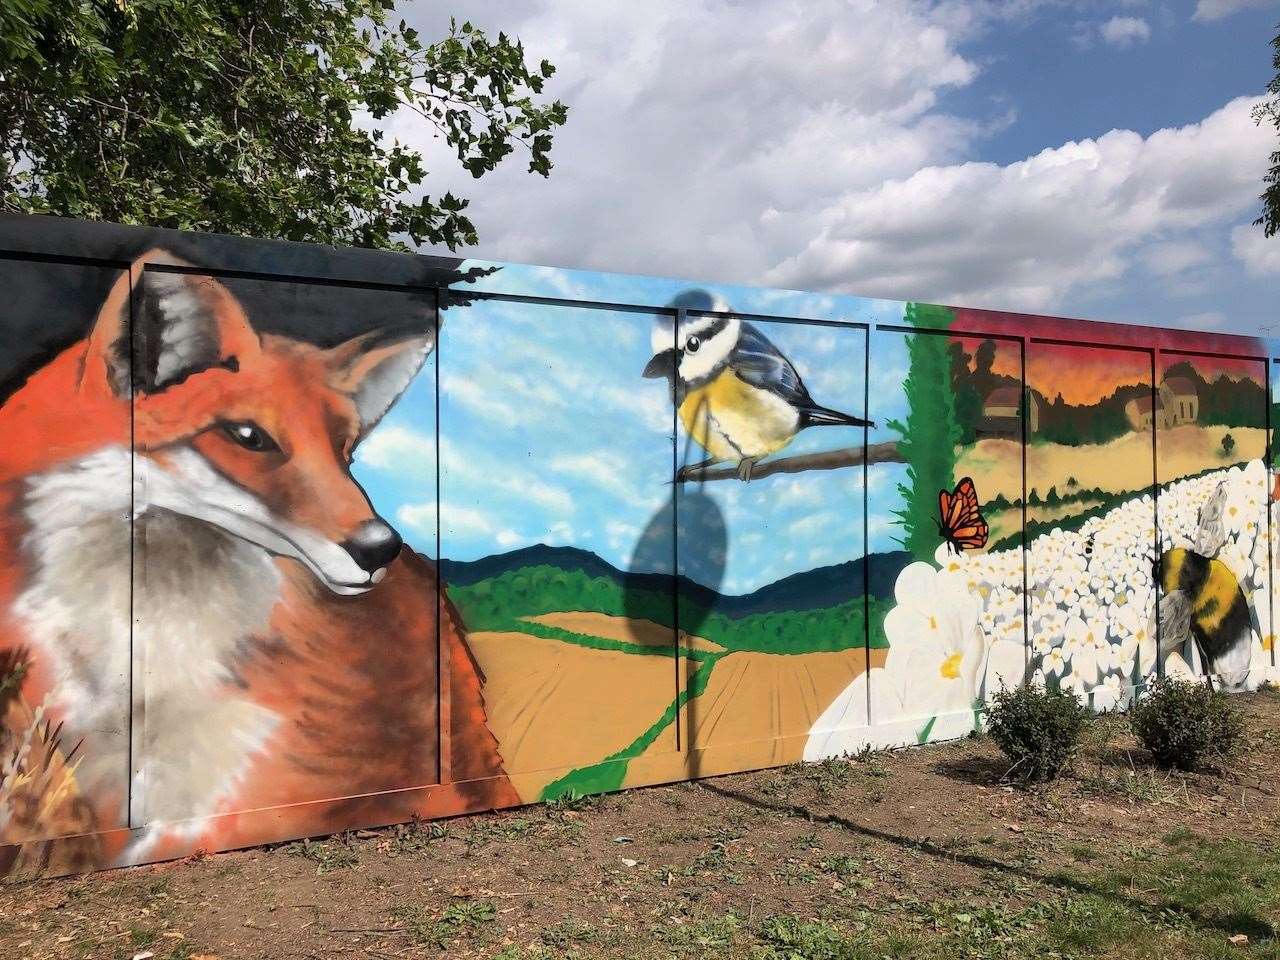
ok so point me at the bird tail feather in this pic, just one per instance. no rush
(824, 416)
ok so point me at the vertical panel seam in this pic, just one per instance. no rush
(682, 735)
(1026, 546)
(133, 507)
(1266, 504)
(443, 754)
(866, 521)
(1155, 508)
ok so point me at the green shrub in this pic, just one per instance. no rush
(1038, 729)
(1185, 723)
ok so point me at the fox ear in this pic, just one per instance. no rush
(159, 326)
(374, 369)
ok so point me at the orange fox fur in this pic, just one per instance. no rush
(321, 696)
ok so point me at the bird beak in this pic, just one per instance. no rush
(661, 365)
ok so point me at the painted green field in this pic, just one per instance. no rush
(504, 602)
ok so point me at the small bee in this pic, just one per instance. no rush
(1088, 545)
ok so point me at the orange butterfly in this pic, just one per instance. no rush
(961, 524)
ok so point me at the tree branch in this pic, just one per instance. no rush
(827, 460)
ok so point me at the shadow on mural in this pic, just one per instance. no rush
(295, 540)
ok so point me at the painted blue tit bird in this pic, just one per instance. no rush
(735, 392)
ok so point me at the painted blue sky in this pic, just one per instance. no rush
(550, 435)
(1091, 158)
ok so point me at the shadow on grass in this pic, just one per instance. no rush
(1217, 877)
(981, 771)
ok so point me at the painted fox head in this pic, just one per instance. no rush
(252, 433)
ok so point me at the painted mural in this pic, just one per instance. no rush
(295, 540)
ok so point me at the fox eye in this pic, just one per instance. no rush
(250, 436)
(692, 344)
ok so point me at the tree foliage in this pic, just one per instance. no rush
(1268, 112)
(1094, 423)
(972, 387)
(968, 401)
(930, 434)
(258, 117)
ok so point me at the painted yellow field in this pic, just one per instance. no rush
(756, 711)
(554, 705)
(1119, 466)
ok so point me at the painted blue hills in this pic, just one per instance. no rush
(815, 589)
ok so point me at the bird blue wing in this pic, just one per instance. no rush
(758, 362)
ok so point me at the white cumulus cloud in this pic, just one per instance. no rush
(1207, 10)
(710, 133)
(1125, 31)
(822, 145)
(1259, 253)
(1024, 234)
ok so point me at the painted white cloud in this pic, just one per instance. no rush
(455, 518)
(1125, 31)
(1024, 234)
(419, 517)
(398, 449)
(1207, 10)
(508, 539)
(609, 471)
(1259, 253)
(470, 468)
(621, 533)
(475, 397)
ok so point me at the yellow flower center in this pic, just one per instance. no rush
(933, 622)
(951, 667)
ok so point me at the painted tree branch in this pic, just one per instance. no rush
(827, 460)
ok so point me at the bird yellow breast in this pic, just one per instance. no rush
(731, 419)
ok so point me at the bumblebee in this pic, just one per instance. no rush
(1214, 611)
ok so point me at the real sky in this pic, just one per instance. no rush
(1090, 158)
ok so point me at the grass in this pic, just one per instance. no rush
(327, 855)
(427, 929)
(1189, 898)
(417, 837)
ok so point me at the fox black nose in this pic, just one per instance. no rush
(374, 545)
